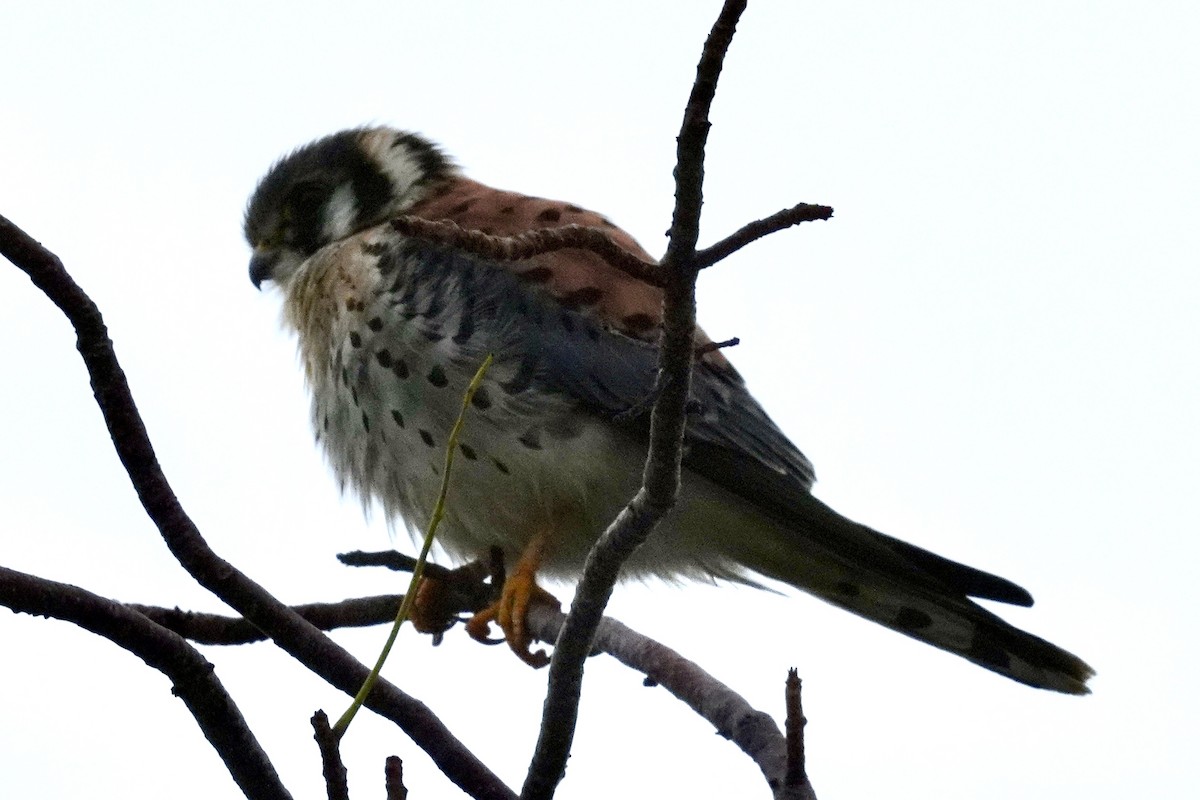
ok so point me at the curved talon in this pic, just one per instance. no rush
(479, 627)
(509, 612)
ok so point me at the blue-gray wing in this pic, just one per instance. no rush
(729, 440)
(552, 348)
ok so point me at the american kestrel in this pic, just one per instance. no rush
(392, 328)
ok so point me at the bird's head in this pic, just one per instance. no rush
(332, 188)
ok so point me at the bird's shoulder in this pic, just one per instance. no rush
(575, 278)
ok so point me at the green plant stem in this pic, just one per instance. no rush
(439, 510)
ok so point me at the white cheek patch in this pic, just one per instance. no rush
(401, 167)
(341, 214)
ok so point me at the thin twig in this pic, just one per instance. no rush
(753, 231)
(393, 560)
(661, 478)
(693, 136)
(794, 728)
(708, 347)
(223, 629)
(336, 785)
(286, 628)
(531, 243)
(393, 779)
(192, 677)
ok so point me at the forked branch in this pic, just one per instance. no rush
(192, 677)
(289, 630)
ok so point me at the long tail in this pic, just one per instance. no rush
(912, 591)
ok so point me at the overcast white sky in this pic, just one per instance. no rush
(990, 351)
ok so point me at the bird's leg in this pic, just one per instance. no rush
(519, 592)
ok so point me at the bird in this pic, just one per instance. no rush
(391, 328)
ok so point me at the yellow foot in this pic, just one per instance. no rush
(519, 592)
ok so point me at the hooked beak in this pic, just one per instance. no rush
(262, 263)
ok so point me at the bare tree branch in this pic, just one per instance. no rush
(192, 677)
(288, 629)
(753, 731)
(466, 593)
(332, 767)
(753, 231)
(222, 629)
(393, 779)
(660, 483)
(780, 758)
(532, 243)
(393, 560)
(796, 773)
